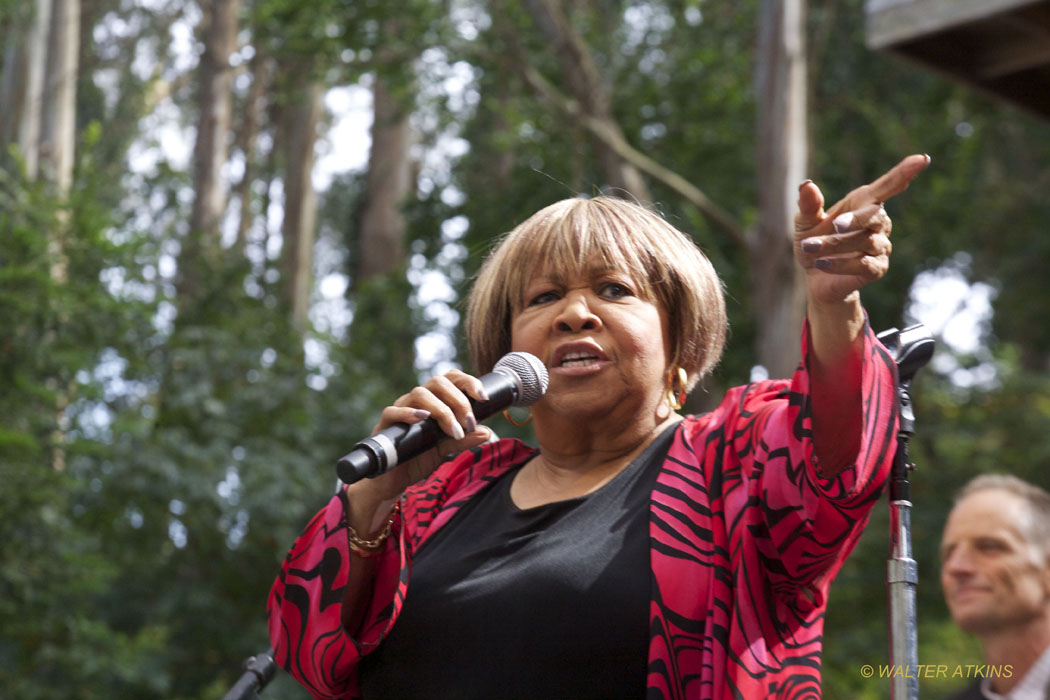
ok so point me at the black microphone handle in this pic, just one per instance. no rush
(399, 442)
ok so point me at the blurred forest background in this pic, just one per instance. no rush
(232, 230)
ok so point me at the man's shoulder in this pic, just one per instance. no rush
(970, 692)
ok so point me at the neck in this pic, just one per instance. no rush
(579, 442)
(1018, 647)
(574, 461)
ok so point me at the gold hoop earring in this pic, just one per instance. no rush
(676, 398)
(506, 414)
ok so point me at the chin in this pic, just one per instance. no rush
(979, 622)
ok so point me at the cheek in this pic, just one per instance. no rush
(522, 335)
(1025, 583)
(652, 332)
(648, 345)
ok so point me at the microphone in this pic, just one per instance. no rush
(518, 379)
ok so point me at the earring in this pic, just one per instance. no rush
(676, 398)
(522, 424)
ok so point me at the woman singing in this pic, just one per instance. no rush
(631, 552)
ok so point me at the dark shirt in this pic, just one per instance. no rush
(547, 602)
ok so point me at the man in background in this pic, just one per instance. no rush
(995, 572)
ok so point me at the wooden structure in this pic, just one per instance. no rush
(1001, 47)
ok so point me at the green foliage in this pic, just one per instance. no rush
(55, 320)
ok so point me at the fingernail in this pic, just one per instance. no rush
(822, 264)
(482, 394)
(810, 245)
(804, 183)
(470, 423)
(457, 430)
(422, 414)
(843, 222)
(928, 159)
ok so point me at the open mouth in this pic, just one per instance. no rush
(578, 359)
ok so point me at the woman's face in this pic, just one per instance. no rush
(606, 347)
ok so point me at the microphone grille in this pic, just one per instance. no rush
(529, 373)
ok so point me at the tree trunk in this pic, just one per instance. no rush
(12, 89)
(300, 202)
(388, 183)
(211, 150)
(779, 292)
(585, 83)
(58, 129)
(56, 149)
(22, 85)
(247, 138)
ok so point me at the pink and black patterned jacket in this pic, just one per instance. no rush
(745, 538)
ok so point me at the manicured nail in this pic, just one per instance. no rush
(422, 414)
(470, 423)
(843, 222)
(482, 394)
(822, 264)
(457, 431)
(804, 183)
(810, 245)
(928, 159)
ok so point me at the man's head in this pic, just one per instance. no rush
(995, 555)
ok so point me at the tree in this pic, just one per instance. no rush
(301, 116)
(388, 184)
(783, 149)
(214, 105)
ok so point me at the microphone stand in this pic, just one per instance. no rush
(259, 670)
(912, 349)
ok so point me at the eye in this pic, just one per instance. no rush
(615, 290)
(543, 298)
(990, 546)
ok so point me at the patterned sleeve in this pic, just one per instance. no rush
(305, 606)
(801, 524)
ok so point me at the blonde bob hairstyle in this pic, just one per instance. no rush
(576, 235)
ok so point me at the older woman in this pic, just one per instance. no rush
(633, 552)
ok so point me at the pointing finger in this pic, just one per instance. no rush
(892, 182)
(897, 178)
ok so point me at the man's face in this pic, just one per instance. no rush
(993, 577)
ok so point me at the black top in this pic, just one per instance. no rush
(547, 602)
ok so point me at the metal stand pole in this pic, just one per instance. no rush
(913, 348)
(259, 670)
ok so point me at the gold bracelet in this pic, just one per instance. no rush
(369, 548)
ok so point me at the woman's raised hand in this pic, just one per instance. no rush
(848, 246)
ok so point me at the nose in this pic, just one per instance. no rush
(958, 563)
(576, 313)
